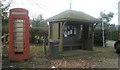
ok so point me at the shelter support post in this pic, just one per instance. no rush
(62, 24)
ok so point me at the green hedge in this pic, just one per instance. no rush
(98, 40)
(113, 35)
(37, 34)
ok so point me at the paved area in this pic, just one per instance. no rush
(110, 43)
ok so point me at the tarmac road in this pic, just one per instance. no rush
(110, 43)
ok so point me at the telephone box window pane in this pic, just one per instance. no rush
(19, 46)
(19, 29)
(23, 13)
(18, 24)
(18, 43)
(19, 49)
(19, 20)
(19, 34)
(19, 38)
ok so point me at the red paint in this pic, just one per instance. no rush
(18, 15)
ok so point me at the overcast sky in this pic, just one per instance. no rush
(50, 8)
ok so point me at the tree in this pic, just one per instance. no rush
(4, 17)
(108, 16)
(39, 29)
(39, 21)
(107, 27)
(3, 9)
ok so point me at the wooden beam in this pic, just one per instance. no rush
(62, 24)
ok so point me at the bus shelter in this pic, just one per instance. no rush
(74, 30)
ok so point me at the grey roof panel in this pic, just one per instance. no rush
(72, 15)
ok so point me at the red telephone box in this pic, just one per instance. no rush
(18, 34)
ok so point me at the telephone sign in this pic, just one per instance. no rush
(18, 34)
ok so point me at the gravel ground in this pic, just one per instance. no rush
(88, 59)
(100, 57)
